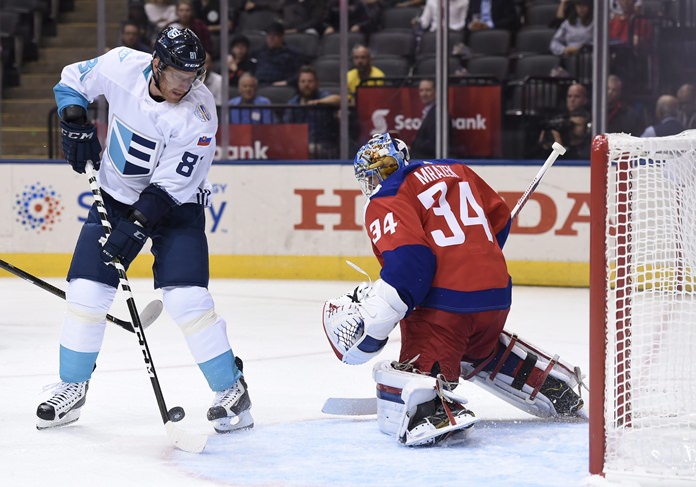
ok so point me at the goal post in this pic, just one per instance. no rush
(643, 308)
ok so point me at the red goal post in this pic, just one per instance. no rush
(643, 308)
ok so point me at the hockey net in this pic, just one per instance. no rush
(643, 308)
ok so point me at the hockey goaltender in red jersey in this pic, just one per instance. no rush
(438, 230)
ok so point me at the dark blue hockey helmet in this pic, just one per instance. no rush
(180, 49)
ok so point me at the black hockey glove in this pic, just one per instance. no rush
(124, 243)
(80, 144)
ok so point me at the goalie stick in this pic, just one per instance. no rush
(190, 442)
(147, 316)
(556, 150)
(346, 406)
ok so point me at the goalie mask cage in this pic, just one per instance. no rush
(643, 309)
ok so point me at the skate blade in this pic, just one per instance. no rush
(69, 418)
(243, 421)
(454, 433)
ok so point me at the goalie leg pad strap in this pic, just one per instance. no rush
(517, 373)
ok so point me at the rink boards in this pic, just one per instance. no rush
(298, 220)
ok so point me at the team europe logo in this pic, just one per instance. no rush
(38, 207)
(131, 153)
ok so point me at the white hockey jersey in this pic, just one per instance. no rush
(148, 142)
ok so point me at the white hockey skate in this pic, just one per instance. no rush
(64, 406)
(230, 409)
(449, 425)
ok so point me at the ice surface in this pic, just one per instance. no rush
(275, 326)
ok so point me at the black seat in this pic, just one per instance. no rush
(397, 43)
(257, 20)
(330, 43)
(279, 95)
(489, 42)
(307, 45)
(536, 65)
(392, 66)
(399, 17)
(540, 14)
(257, 39)
(428, 42)
(425, 66)
(496, 66)
(534, 41)
(328, 69)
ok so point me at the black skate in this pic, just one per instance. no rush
(437, 422)
(564, 399)
(64, 407)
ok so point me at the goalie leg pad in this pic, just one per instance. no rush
(529, 379)
(408, 402)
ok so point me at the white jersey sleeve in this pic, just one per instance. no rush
(170, 145)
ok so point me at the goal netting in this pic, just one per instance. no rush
(643, 307)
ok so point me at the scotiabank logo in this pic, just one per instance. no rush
(257, 151)
(402, 122)
(548, 216)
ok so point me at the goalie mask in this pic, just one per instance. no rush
(378, 159)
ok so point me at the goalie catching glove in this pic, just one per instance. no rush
(357, 325)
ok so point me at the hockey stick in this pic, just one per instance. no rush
(350, 406)
(367, 405)
(181, 439)
(147, 317)
(556, 150)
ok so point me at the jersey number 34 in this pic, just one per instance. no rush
(455, 220)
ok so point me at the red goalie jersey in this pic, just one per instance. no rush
(438, 231)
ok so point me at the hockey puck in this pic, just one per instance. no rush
(176, 414)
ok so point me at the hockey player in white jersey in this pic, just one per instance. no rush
(153, 176)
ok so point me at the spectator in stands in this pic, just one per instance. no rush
(570, 128)
(565, 7)
(686, 94)
(575, 32)
(248, 97)
(277, 64)
(667, 116)
(137, 15)
(304, 16)
(628, 22)
(322, 122)
(357, 16)
(362, 70)
(621, 117)
(272, 5)
(491, 14)
(186, 17)
(615, 7)
(457, 15)
(239, 61)
(404, 3)
(160, 13)
(213, 80)
(131, 37)
(209, 12)
(423, 145)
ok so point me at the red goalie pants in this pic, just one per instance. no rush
(448, 338)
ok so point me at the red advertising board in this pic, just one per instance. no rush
(258, 142)
(475, 115)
